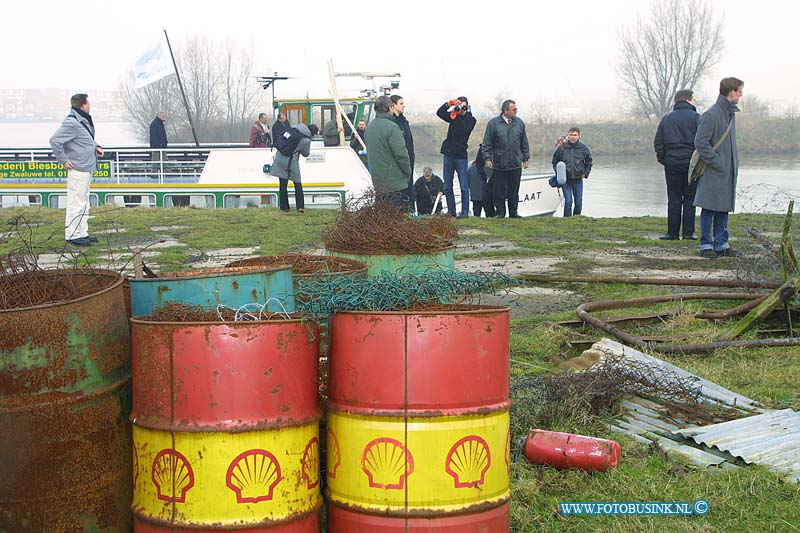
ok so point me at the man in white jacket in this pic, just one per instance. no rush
(74, 146)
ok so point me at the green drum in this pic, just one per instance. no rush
(378, 264)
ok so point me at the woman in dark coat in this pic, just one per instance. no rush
(287, 168)
(479, 187)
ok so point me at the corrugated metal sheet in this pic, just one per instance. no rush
(646, 421)
(710, 390)
(771, 439)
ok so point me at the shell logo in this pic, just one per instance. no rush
(334, 453)
(468, 461)
(387, 463)
(253, 475)
(310, 463)
(172, 475)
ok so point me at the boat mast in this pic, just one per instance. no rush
(183, 93)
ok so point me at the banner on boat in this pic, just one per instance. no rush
(45, 169)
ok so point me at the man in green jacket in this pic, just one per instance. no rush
(388, 157)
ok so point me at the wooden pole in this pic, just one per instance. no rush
(355, 131)
(339, 112)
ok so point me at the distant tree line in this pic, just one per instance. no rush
(756, 135)
(223, 96)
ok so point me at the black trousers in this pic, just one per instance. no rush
(486, 207)
(680, 200)
(505, 188)
(283, 195)
(404, 198)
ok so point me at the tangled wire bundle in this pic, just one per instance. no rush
(42, 287)
(305, 264)
(542, 399)
(367, 225)
(394, 292)
(180, 312)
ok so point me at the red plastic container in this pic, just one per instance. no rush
(567, 450)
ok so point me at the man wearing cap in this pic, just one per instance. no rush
(457, 114)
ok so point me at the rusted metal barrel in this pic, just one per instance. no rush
(210, 287)
(377, 264)
(418, 421)
(310, 267)
(225, 426)
(65, 396)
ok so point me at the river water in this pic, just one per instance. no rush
(619, 186)
(634, 186)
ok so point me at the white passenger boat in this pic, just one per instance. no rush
(219, 176)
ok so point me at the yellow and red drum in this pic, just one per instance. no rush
(225, 426)
(418, 421)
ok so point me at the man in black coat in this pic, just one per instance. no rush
(674, 144)
(507, 152)
(457, 114)
(158, 133)
(398, 107)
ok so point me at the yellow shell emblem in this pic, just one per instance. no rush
(467, 461)
(310, 463)
(253, 476)
(172, 475)
(334, 453)
(387, 463)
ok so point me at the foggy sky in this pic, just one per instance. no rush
(547, 50)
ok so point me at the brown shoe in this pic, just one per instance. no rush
(301, 210)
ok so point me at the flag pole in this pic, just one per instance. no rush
(183, 93)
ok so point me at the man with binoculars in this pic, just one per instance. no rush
(457, 113)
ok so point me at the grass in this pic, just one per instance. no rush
(750, 498)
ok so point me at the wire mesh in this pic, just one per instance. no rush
(394, 292)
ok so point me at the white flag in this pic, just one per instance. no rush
(154, 64)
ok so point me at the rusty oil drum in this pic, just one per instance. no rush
(225, 426)
(65, 396)
(378, 264)
(210, 287)
(310, 268)
(418, 421)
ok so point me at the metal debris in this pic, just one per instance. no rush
(769, 439)
(370, 225)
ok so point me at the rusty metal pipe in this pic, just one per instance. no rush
(584, 313)
(651, 281)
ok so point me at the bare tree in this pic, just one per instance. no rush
(673, 49)
(496, 101)
(544, 113)
(220, 88)
(754, 105)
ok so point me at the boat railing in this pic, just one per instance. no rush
(132, 164)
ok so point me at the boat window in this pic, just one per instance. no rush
(241, 201)
(326, 200)
(131, 200)
(59, 201)
(20, 200)
(295, 114)
(366, 112)
(201, 201)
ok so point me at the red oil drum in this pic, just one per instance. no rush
(418, 426)
(567, 450)
(225, 426)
